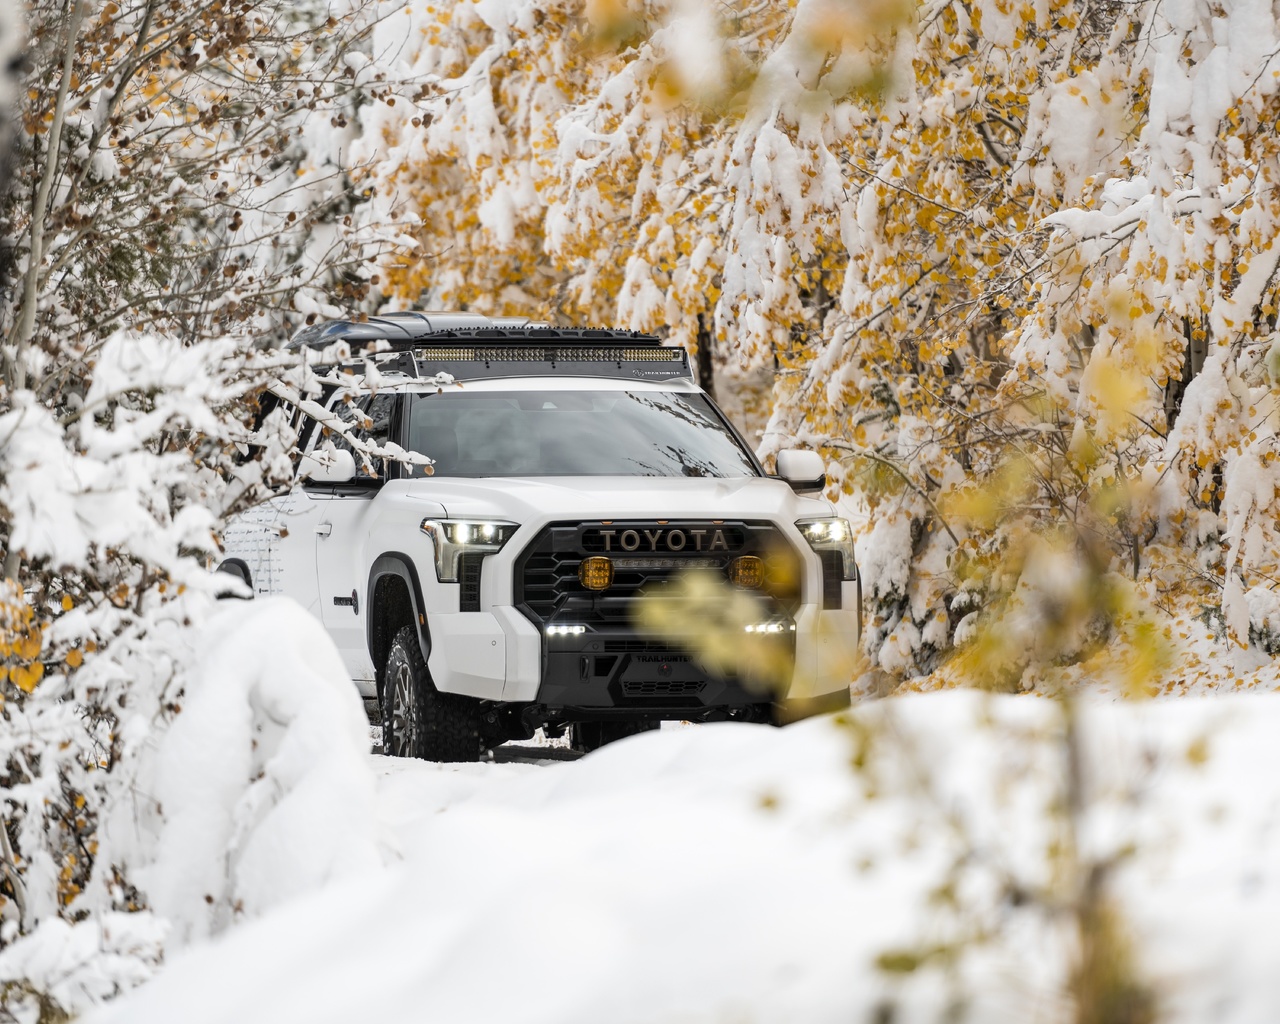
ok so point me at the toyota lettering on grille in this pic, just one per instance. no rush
(666, 539)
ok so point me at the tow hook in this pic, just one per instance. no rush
(532, 717)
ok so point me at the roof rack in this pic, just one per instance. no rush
(471, 346)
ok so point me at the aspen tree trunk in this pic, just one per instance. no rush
(706, 365)
(16, 370)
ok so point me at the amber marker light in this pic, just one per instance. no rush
(747, 571)
(596, 572)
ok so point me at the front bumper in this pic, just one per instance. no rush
(629, 670)
(507, 652)
(500, 655)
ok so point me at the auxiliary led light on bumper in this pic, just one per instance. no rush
(569, 630)
(771, 628)
(747, 571)
(596, 573)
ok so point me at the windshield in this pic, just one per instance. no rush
(574, 433)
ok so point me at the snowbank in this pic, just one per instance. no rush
(79, 966)
(256, 792)
(735, 872)
(259, 790)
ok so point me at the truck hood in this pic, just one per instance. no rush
(547, 499)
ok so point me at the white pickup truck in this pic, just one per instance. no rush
(576, 474)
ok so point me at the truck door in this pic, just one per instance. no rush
(342, 538)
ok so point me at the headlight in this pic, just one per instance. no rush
(831, 535)
(454, 538)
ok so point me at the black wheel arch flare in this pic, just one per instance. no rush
(387, 616)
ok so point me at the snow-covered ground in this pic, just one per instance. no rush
(735, 873)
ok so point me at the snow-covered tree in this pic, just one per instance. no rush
(991, 247)
(179, 196)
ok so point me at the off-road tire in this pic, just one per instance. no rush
(589, 736)
(235, 567)
(417, 719)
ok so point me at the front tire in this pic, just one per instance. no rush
(417, 719)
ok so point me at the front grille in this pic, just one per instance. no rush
(647, 557)
(663, 688)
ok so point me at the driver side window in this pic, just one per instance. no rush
(369, 419)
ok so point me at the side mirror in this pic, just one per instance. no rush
(804, 471)
(333, 466)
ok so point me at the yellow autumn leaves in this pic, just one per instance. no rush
(922, 267)
(22, 640)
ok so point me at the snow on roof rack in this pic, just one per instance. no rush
(412, 330)
(469, 346)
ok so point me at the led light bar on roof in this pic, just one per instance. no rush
(471, 346)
